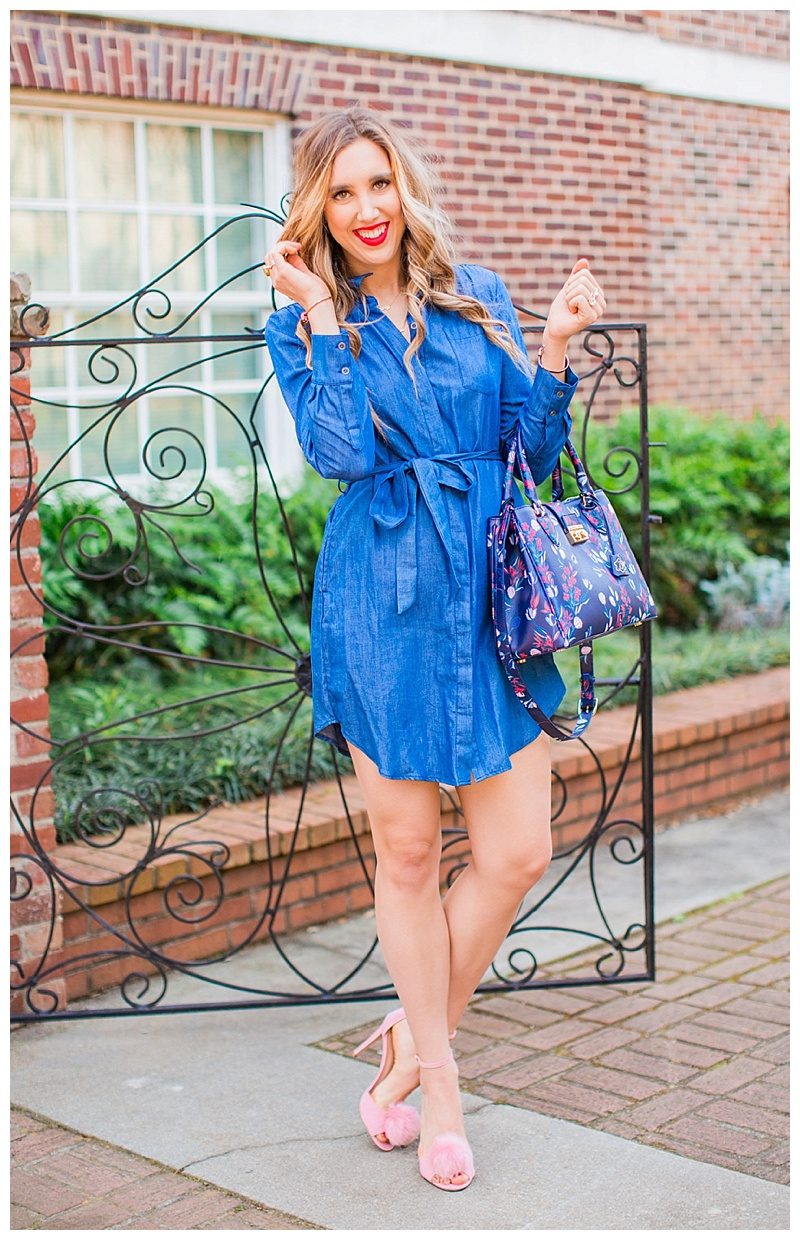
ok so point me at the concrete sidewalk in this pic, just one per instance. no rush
(653, 1106)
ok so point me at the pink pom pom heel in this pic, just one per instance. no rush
(400, 1122)
(450, 1154)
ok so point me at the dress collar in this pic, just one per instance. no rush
(360, 312)
(357, 279)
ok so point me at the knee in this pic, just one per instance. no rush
(520, 868)
(408, 861)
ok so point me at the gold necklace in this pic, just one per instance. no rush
(386, 309)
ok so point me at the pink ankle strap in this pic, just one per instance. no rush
(434, 1063)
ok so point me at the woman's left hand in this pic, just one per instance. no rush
(577, 305)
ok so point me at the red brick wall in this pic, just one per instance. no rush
(34, 921)
(755, 32)
(680, 204)
(718, 249)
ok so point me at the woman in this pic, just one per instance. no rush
(405, 373)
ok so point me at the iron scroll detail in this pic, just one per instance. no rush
(136, 501)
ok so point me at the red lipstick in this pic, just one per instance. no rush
(376, 240)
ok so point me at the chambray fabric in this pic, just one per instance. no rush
(403, 655)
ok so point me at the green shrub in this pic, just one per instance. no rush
(755, 595)
(185, 758)
(721, 487)
(188, 573)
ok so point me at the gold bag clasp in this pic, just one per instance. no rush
(577, 534)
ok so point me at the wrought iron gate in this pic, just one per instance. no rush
(163, 432)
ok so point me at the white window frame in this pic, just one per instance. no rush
(279, 441)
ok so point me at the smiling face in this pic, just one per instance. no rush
(363, 200)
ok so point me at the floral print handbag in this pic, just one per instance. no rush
(562, 574)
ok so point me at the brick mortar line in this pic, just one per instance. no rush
(658, 1133)
(579, 956)
(236, 1198)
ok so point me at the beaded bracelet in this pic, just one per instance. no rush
(547, 368)
(304, 315)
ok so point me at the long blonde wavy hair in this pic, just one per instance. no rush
(427, 256)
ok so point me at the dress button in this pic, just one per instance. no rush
(340, 345)
(559, 393)
(551, 412)
(345, 370)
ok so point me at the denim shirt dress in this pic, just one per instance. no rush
(404, 660)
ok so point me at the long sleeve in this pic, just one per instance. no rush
(328, 402)
(540, 404)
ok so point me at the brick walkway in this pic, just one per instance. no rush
(63, 1181)
(696, 1063)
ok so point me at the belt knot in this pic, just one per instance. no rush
(394, 506)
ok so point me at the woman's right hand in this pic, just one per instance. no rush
(291, 276)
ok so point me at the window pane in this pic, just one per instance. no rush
(173, 360)
(106, 166)
(37, 156)
(239, 246)
(48, 368)
(100, 325)
(39, 248)
(245, 361)
(172, 236)
(102, 374)
(52, 440)
(238, 166)
(173, 164)
(117, 437)
(176, 427)
(232, 412)
(107, 251)
(98, 251)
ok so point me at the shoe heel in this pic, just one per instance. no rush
(390, 1019)
(398, 1121)
(372, 1037)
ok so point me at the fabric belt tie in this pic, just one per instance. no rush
(394, 506)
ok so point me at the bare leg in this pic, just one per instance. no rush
(508, 820)
(413, 932)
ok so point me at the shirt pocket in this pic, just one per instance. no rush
(472, 364)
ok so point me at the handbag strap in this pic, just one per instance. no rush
(587, 704)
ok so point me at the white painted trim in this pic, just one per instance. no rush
(513, 40)
(145, 109)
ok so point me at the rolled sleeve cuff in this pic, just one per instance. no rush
(557, 390)
(332, 359)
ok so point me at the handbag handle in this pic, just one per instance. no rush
(619, 566)
(516, 450)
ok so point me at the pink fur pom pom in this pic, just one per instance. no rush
(448, 1155)
(401, 1124)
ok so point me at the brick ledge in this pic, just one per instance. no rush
(679, 720)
